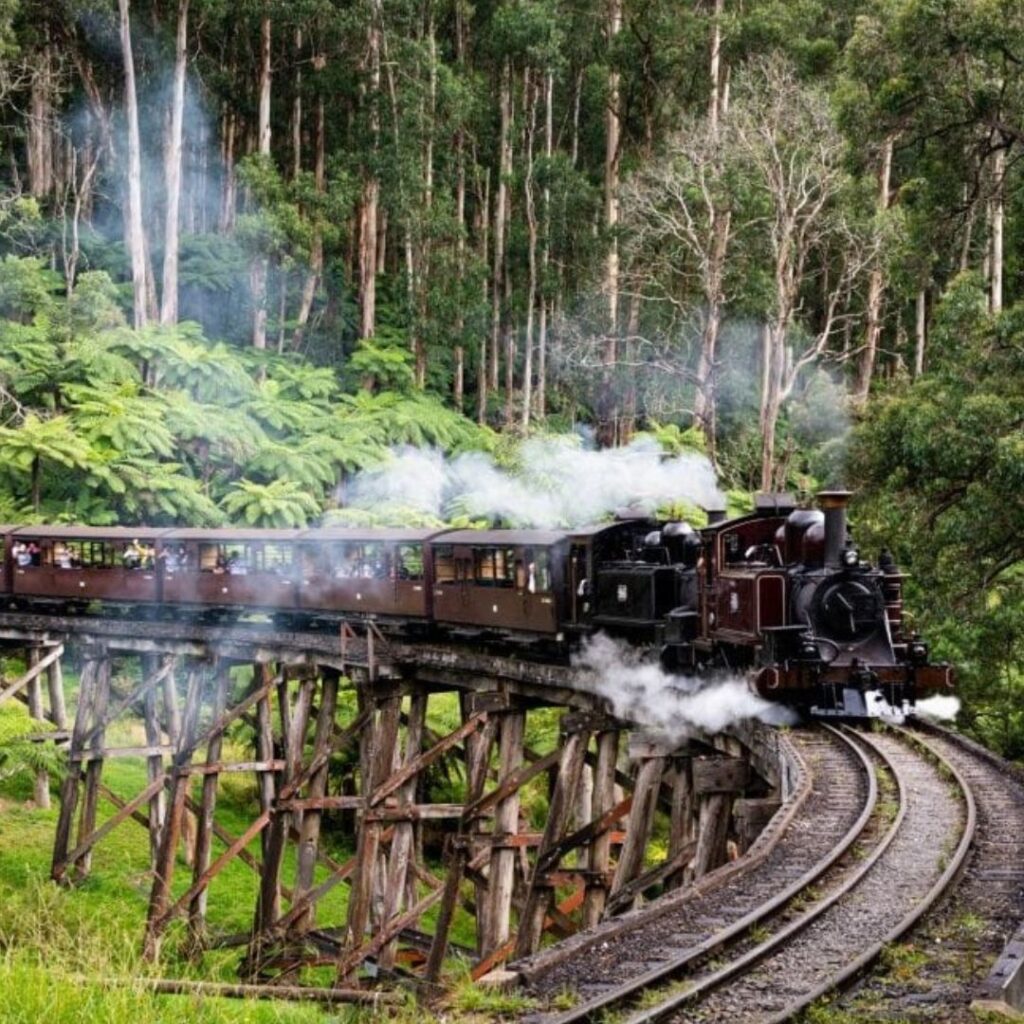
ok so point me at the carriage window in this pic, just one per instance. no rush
(538, 572)
(444, 563)
(274, 558)
(233, 559)
(408, 561)
(366, 561)
(494, 567)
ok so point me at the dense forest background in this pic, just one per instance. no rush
(249, 248)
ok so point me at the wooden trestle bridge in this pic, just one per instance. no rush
(185, 684)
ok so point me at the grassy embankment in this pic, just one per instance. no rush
(61, 950)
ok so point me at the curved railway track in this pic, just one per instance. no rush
(810, 917)
(958, 944)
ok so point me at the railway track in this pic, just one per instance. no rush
(955, 947)
(810, 917)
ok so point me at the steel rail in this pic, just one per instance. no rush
(934, 894)
(665, 971)
(705, 985)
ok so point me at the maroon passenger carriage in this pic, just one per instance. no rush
(781, 595)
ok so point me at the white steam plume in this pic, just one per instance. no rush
(559, 485)
(673, 708)
(940, 708)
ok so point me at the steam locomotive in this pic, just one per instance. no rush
(780, 595)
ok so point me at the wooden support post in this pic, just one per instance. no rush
(682, 832)
(379, 755)
(641, 819)
(511, 729)
(268, 904)
(207, 804)
(155, 763)
(94, 769)
(55, 684)
(69, 787)
(560, 810)
(294, 727)
(599, 855)
(402, 842)
(478, 756)
(309, 832)
(41, 791)
(160, 894)
(481, 894)
(715, 782)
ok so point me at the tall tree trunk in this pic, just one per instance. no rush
(226, 221)
(998, 215)
(542, 325)
(260, 267)
(530, 121)
(500, 205)
(423, 264)
(135, 235)
(371, 187)
(876, 286)
(771, 399)
(172, 171)
(608, 405)
(297, 109)
(705, 402)
(483, 374)
(920, 331)
(316, 254)
(39, 128)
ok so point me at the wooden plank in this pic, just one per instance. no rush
(93, 771)
(641, 819)
(106, 753)
(506, 822)
(515, 781)
(719, 775)
(69, 787)
(538, 901)
(309, 832)
(584, 836)
(655, 876)
(127, 809)
(41, 788)
(148, 683)
(155, 763)
(268, 902)
(163, 872)
(598, 857)
(396, 891)
(399, 778)
(500, 955)
(204, 820)
(379, 754)
(33, 673)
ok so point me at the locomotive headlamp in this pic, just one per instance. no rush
(918, 652)
(851, 558)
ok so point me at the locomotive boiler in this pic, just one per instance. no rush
(782, 596)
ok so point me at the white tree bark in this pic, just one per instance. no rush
(998, 216)
(136, 237)
(876, 285)
(260, 267)
(172, 172)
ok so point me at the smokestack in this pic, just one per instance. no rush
(715, 516)
(833, 504)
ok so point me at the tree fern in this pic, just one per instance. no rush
(18, 754)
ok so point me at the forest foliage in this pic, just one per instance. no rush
(246, 249)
